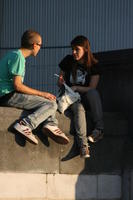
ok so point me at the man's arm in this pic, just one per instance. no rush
(20, 87)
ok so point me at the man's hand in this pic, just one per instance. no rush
(48, 96)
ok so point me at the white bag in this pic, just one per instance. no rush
(67, 98)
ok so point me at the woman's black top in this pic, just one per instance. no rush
(83, 76)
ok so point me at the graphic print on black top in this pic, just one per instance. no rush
(80, 77)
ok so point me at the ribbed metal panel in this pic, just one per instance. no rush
(108, 24)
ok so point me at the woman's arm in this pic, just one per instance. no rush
(92, 85)
(94, 81)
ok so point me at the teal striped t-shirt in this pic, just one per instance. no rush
(13, 63)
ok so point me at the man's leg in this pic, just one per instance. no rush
(44, 111)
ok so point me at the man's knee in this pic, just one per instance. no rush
(50, 103)
(54, 105)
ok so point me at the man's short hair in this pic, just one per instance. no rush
(28, 38)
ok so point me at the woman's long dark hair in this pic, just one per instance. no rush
(89, 59)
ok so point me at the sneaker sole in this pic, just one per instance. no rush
(58, 139)
(84, 157)
(93, 141)
(28, 138)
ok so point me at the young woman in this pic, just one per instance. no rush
(80, 72)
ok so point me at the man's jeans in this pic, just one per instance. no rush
(91, 101)
(43, 109)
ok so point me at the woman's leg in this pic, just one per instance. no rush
(92, 99)
(79, 123)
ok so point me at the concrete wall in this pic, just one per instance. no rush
(52, 171)
(61, 187)
(46, 156)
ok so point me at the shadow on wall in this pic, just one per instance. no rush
(112, 156)
(103, 173)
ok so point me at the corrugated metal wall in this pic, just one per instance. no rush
(108, 24)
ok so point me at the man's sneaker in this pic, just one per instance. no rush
(22, 128)
(96, 135)
(84, 151)
(56, 134)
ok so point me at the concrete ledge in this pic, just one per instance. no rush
(62, 187)
(115, 123)
(18, 155)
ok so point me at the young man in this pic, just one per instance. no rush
(14, 93)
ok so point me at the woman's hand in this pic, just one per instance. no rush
(80, 89)
(60, 80)
(74, 88)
